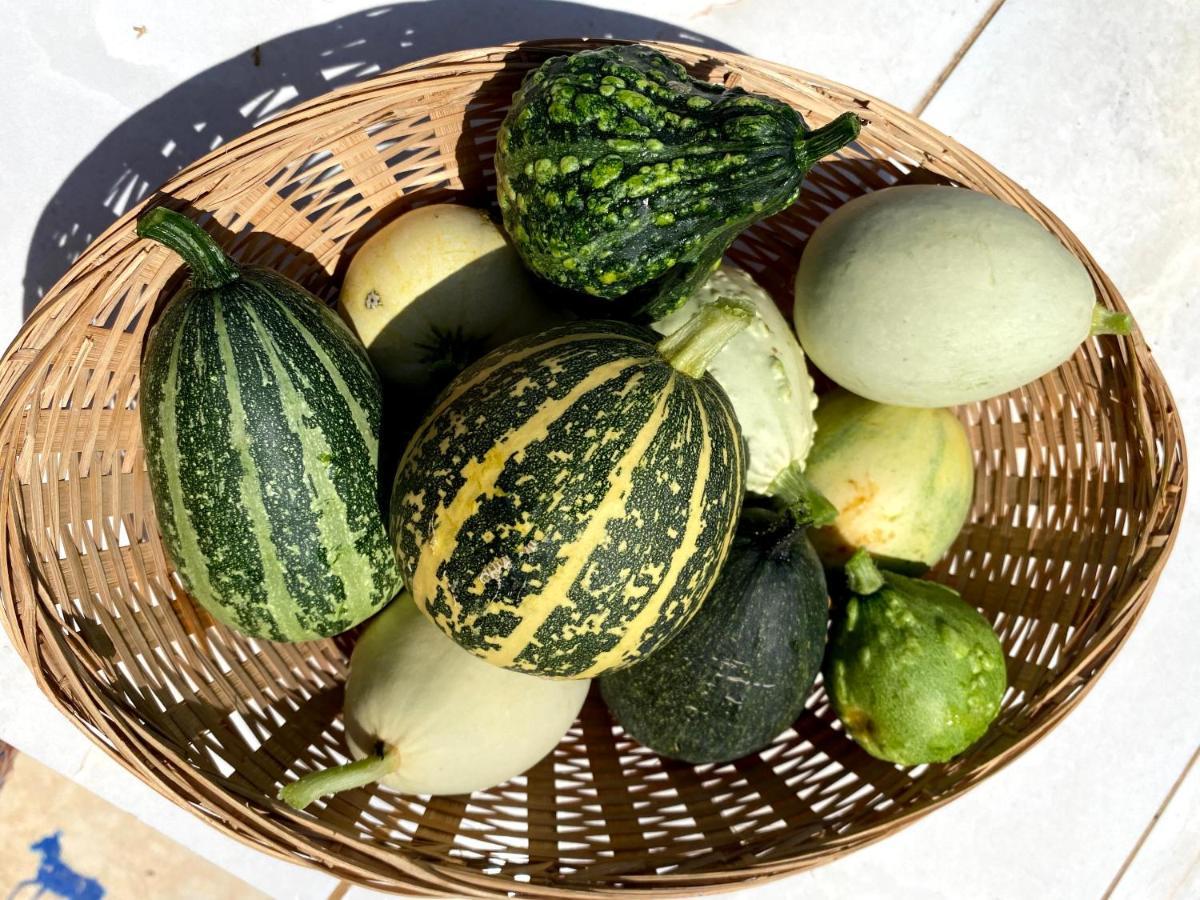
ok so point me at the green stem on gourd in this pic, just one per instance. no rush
(334, 780)
(861, 573)
(813, 145)
(692, 346)
(210, 267)
(1107, 321)
(809, 507)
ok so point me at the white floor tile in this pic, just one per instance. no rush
(894, 51)
(1168, 865)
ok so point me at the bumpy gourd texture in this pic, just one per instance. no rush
(914, 672)
(261, 415)
(569, 501)
(615, 168)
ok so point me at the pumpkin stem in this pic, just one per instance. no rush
(326, 782)
(692, 346)
(861, 573)
(812, 145)
(1107, 321)
(809, 507)
(210, 267)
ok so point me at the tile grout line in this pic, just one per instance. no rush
(957, 58)
(1154, 820)
(918, 110)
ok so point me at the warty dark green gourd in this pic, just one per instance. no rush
(617, 171)
(260, 415)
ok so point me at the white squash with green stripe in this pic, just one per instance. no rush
(568, 503)
(260, 418)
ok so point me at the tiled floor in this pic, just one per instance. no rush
(58, 835)
(1086, 104)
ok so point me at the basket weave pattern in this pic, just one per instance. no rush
(1080, 479)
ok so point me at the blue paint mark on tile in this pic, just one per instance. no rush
(55, 876)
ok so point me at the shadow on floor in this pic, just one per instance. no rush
(232, 97)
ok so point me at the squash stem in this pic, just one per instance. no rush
(323, 783)
(210, 267)
(692, 346)
(861, 573)
(813, 145)
(1107, 321)
(809, 507)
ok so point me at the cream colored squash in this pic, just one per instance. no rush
(438, 282)
(424, 716)
(762, 370)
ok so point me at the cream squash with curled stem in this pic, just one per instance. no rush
(426, 717)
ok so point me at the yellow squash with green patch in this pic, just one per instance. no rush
(570, 500)
(901, 479)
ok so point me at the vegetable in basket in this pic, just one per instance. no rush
(260, 417)
(924, 295)
(901, 479)
(425, 717)
(762, 370)
(617, 171)
(569, 501)
(741, 670)
(914, 672)
(434, 290)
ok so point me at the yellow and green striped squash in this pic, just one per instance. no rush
(260, 416)
(569, 502)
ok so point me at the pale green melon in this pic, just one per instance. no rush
(930, 296)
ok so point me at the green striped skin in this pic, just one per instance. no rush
(616, 170)
(569, 501)
(260, 415)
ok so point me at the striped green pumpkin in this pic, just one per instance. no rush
(568, 503)
(260, 416)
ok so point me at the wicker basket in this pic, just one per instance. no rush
(1080, 481)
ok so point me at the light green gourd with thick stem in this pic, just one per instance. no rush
(914, 672)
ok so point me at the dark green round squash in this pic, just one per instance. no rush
(741, 670)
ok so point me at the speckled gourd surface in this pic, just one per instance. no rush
(260, 414)
(569, 501)
(617, 171)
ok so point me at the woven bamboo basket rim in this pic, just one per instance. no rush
(1100, 436)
